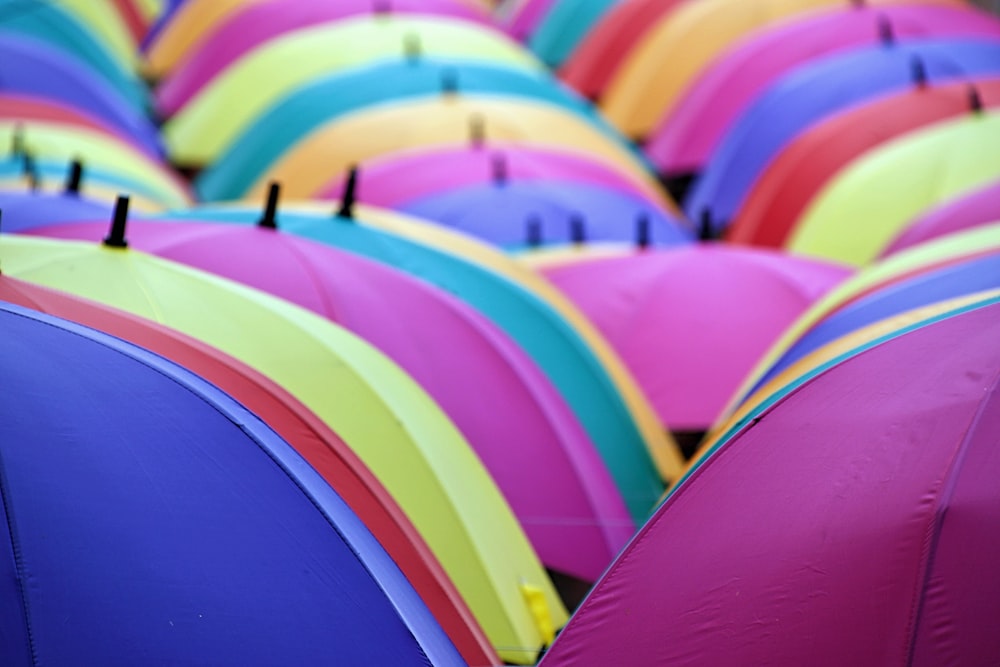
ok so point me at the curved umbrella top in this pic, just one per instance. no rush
(690, 38)
(44, 71)
(690, 322)
(311, 438)
(575, 357)
(23, 211)
(106, 23)
(520, 427)
(286, 119)
(810, 548)
(564, 26)
(864, 205)
(817, 91)
(686, 137)
(520, 17)
(784, 190)
(137, 526)
(972, 209)
(282, 65)
(451, 120)
(396, 429)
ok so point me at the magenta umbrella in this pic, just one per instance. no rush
(691, 321)
(258, 22)
(854, 520)
(521, 428)
(686, 138)
(979, 207)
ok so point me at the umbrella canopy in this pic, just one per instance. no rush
(399, 433)
(782, 570)
(819, 90)
(978, 207)
(135, 526)
(560, 340)
(563, 26)
(23, 211)
(519, 18)
(442, 121)
(520, 427)
(250, 85)
(690, 38)
(866, 204)
(783, 191)
(286, 119)
(310, 437)
(690, 322)
(686, 137)
(103, 21)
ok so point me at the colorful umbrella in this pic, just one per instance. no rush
(898, 498)
(673, 315)
(686, 137)
(817, 91)
(399, 433)
(975, 208)
(190, 532)
(563, 26)
(520, 427)
(866, 204)
(105, 23)
(250, 85)
(310, 437)
(783, 191)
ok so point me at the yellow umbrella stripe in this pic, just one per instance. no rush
(868, 202)
(89, 189)
(396, 429)
(216, 116)
(107, 25)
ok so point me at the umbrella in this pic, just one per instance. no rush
(691, 321)
(686, 137)
(858, 212)
(190, 532)
(784, 190)
(399, 433)
(520, 427)
(296, 113)
(519, 18)
(250, 85)
(898, 498)
(310, 437)
(102, 20)
(816, 92)
(564, 26)
(578, 361)
(977, 207)
(690, 37)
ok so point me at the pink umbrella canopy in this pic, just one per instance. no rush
(979, 207)
(687, 137)
(691, 321)
(855, 520)
(521, 428)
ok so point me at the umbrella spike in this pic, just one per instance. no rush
(918, 71)
(534, 231)
(886, 33)
(642, 230)
(975, 99)
(498, 165)
(74, 178)
(449, 81)
(116, 236)
(30, 171)
(577, 229)
(706, 224)
(477, 130)
(347, 199)
(412, 48)
(269, 218)
(17, 148)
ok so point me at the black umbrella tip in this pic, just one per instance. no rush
(74, 177)
(116, 236)
(918, 71)
(269, 216)
(449, 81)
(886, 33)
(477, 130)
(706, 226)
(533, 230)
(577, 229)
(643, 236)
(498, 166)
(349, 197)
(975, 100)
(412, 48)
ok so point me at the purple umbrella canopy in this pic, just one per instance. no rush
(521, 428)
(853, 519)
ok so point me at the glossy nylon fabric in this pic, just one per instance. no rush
(502, 213)
(564, 26)
(773, 546)
(690, 322)
(686, 137)
(783, 191)
(27, 207)
(286, 120)
(527, 437)
(979, 207)
(865, 205)
(386, 418)
(816, 91)
(45, 71)
(564, 354)
(309, 436)
(150, 517)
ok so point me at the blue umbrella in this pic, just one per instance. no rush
(818, 90)
(293, 117)
(24, 211)
(152, 519)
(548, 211)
